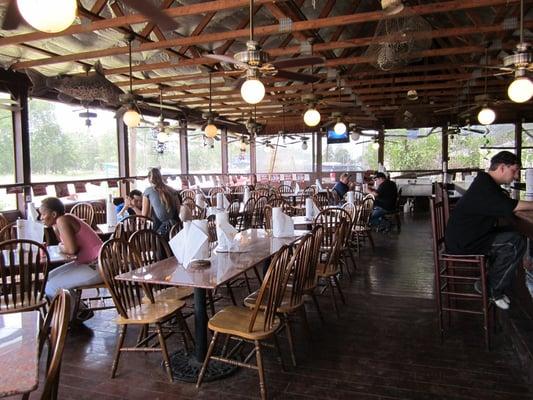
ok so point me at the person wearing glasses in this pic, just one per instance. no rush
(385, 194)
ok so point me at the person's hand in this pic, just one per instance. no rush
(61, 247)
(127, 202)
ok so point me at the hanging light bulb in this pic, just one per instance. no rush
(304, 145)
(486, 116)
(340, 127)
(375, 145)
(391, 7)
(312, 117)
(163, 137)
(243, 146)
(252, 90)
(521, 89)
(46, 17)
(355, 136)
(131, 118)
(210, 130)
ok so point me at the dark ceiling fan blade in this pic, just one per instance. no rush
(298, 62)
(12, 19)
(488, 67)
(226, 59)
(155, 14)
(454, 108)
(338, 103)
(226, 122)
(295, 76)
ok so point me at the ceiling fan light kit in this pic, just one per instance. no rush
(375, 145)
(304, 145)
(521, 89)
(312, 117)
(210, 130)
(132, 118)
(412, 95)
(46, 17)
(339, 128)
(392, 7)
(252, 90)
(355, 136)
(486, 116)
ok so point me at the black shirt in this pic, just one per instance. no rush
(472, 223)
(341, 188)
(387, 193)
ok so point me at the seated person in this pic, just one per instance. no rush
(385, 193)
(76, 238)
(343, 185)
(472, 226)
(131, 206)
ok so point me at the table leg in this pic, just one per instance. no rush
(187, 367)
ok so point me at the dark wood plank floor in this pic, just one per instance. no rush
(385, 346)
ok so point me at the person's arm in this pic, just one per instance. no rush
(67, 231)
(124, 209)
(523, 206)
(146, 207)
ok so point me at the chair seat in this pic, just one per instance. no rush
(322, 270)
(285, 306)
(93, 286)
(234, 320)
(171, 293)
(151, 313)
(19, 306)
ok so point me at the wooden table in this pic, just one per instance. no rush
(256, 246)
(56, 256)
(291, 198)
(19, 352)
(104, 230)
(524, 224)
(300, 222)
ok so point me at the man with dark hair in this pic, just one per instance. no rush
(131, 206)
(472, 226)
(342, 186)
(385, 193)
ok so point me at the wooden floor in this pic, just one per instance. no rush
(385, 346)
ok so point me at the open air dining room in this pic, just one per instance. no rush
(274, 199)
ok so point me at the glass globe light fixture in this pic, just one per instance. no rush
(243, 146)
(355, 136)
(252, 91)
(486, 116)
(163, 137)
(210, 130)
(312, 117)
(375, 145)
(392, 7)
(339, 128)
(304, 145)
(46, 17)
(131, 118)
(520, 90)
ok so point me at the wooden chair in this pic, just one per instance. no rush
(54, 332)
(307, 192)
(188, 202)
(247, 215)
(99, 208)
(258, 216)
(455, 276)
(8, 232)
(212, 229)
(212, 195)
(293, 299)
(234, 210)
(285, 189)
(253, 325)
(132, 224)
(178, 226)
(268, 216)
(187, 194)
(330, 269)
(115, 258)
(198, 212)
(3, 221)
(361, 229)
(23, 275)
(321, 200)
(84, 211)
(311, 280)
(394, 218)
(276, 201)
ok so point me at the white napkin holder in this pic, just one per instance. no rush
(319, 185)
(296, 189)
(282, 224)
(350, 197)
(191, 243)
(199, 200)
(309, 209)
(222, 201)
(30, 230)
(111, 215)
(246, 195)
(225, 233)
(31, 213)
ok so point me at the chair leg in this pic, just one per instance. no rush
(289, 338)
(247, 281)
(260, 370)
(371, 239)
(164, 352)
(352, 258)
(256, 272)
(317, 306)
(230, 292)
(206, 361)
(186, 333)
(305, 322)
(121, 337)
(211, 302)
(332, 289)
(339, 289)
(280, 356)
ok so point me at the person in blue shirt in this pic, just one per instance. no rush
(131, 206)
(342, 186)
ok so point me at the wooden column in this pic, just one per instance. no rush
(21, 136)
(224, 148)
(444, 150)
(123, 155)
(317, 149)
(381, 150)
(184, 148)
(518, 138)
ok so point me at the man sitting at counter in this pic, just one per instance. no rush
(472, 226)
(385, 192)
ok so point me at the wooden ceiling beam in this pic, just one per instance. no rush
(98, 6)
(264, 30)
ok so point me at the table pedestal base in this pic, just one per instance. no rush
(186, 368)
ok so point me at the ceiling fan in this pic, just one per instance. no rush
(255, 63)
(19, 11)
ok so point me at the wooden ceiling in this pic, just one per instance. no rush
(444, 75)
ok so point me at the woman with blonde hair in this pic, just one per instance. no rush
(161, 201)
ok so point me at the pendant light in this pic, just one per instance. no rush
(391, 7)
(486, 115)
(46, 17)
(252, 90)
(131, 118)
(210, 130)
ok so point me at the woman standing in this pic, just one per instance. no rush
(163, 200)
(78, 239)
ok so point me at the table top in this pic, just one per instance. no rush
(256, 245)
(524, 222)
(19, 352)
(56, 256)
(104, 229)
(300, 220)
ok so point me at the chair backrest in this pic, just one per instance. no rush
(267, 216)
(358, 196)
(301, 264)
(3, 221)
(272, 289)
(187, 193)
(365, 212)
(130, 224)
(188, 202)
(238, 189)
(248, 213)
(260, 192)
(233, 212)
(332, 261)
(351, 209)
(307, 192)
(178, 226)
(285, 189)
(276, 201)
(438, 225)
(114, 259)
(334, 197)
(198, 212)
(99, 208)
(311, 279)
(212, 228)
(23, 274)
(441, 194)
(330, 218)
(321, 200)
(84, 211)
(8, 232)
(149, 246)
(213, 192)
(54, 331)
(259, 212)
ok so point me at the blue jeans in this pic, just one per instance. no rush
(377, 214)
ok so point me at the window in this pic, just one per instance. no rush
(66, 147)
(353, 156)
(7, 201)
(284, 155)
(148, 148)
(7, 146)
(205, 156)
(416, 149)
(527, 141)
(93, 191)
(238, 160)
(469, 149)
